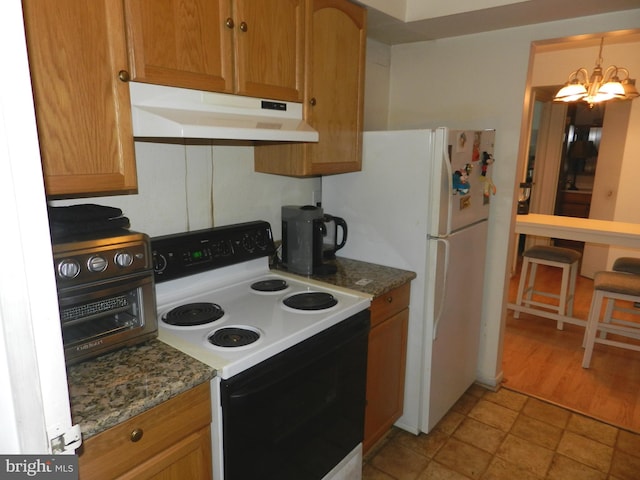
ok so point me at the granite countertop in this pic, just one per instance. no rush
(364, 277)
(114, 387)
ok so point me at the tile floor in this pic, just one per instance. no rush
(505, 435)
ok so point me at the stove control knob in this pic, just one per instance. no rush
(248, 243)
(159, 262)
(123, 259)
(68, 268)
(262, 240)
(97, 264)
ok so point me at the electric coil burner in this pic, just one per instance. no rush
(271, 285)
(232, 337)
(311, 301)
(290, 354)
(194, 314)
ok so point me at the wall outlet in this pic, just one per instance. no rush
(316, 197)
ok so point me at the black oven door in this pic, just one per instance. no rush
(298, 414)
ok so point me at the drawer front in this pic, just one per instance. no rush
(390, 303)
(114, 451)
(579, 198)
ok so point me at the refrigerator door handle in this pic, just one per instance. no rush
(446, 198)
(439, 307)
(441, 185)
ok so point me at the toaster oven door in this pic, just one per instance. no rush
(103, 316)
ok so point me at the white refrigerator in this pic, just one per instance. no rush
(421, 203)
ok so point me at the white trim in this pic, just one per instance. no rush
(35, 398)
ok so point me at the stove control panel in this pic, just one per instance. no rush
(183, 254)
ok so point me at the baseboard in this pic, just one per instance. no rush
(491, 383)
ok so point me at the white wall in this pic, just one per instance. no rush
(376, 85)
(183, 188)
(478, 81)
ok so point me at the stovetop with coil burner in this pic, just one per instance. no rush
(219, 302)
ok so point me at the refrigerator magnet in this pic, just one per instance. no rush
(487, 159)
(461, 142)
(461, 182)
(475, 154)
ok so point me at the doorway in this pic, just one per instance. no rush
(538, 359)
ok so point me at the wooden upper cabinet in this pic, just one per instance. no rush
(269, 46)
(334, 95)
(233, 46)
(181, 43)
(76, 50)
(336, 85)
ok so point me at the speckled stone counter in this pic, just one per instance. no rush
(112, 388)
(365, 277)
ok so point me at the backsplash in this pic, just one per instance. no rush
(183, 188)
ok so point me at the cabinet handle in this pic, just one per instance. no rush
(229, 23)
(389, 299)
(123, 75)
(136, 435)
(243, 26)
(312, 101)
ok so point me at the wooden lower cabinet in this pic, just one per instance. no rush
(169, 441)
(386, 363)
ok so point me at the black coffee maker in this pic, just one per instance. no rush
(303, 231)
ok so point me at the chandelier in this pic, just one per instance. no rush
(600, 86)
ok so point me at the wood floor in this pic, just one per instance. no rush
(544, 362)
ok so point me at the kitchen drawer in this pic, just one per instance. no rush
(114, 452)
(390, 303)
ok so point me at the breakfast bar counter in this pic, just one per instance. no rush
(580, 229)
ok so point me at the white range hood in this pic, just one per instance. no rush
(169, 112)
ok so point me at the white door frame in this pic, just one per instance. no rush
(34, 398)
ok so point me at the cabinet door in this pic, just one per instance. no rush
(189, 458)
(334, 95)
(270, 48)
(336, 85)
(181, 43)
(385, 376)
(156, 443)
(76, 51)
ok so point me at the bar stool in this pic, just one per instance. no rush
(609, 287)
(627, 265)
(564, 258)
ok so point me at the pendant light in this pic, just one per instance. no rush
(601, 86)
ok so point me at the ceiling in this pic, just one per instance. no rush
(391, 30)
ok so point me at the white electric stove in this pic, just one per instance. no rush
(300, 344)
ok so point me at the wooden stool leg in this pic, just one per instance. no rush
(523, 281)
(592, 327)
